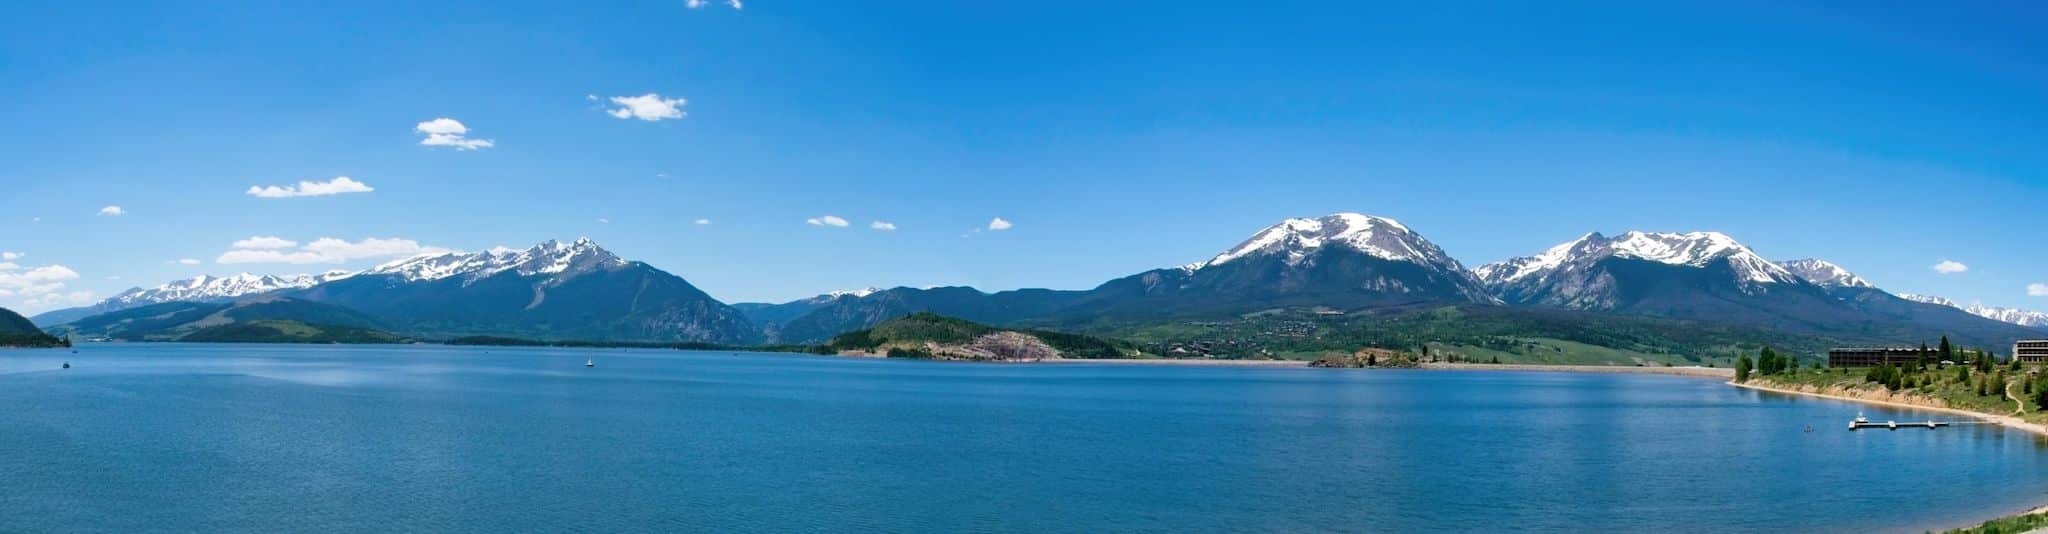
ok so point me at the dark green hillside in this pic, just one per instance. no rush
(17, 331)
(154, 322)
(285, 331)
(1475, 333)
(264, 320)
(630, 301)
(915, 334)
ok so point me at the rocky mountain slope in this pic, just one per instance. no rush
(552, 290)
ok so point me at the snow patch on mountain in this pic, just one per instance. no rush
(1929, 299)
(208, 288)
(2001, 314)
(549, 258)
(855, 293)
(1297, 239)
(1824, 273)
(1692, 249)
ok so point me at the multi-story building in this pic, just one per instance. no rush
(2031, 351)
(1876, 356)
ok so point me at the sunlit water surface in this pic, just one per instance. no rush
(151, 437)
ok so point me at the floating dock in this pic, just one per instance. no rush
(1895, 425)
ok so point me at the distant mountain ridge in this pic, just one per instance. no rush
(256, 319)
(553, 290)
(202, 288)
(2016, 316)
(1338, 261)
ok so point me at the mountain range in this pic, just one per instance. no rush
(1345, 265)
(2008, 315)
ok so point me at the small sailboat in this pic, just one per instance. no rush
(590, 362)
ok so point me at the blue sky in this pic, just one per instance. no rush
(1116, 136)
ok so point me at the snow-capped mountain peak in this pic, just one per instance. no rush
(1824, 273)
(1996, 313)
(1691, 249)
(1297, 239)
(205, 287)
(549, 257)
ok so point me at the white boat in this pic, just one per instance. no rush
(592, 362)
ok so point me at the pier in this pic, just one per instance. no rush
(1861, 422)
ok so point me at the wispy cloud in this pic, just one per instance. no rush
(701, 222)
(2037, 290)
(264, 242)
(308, 188)
(112, 211)
(998, 224)
(1951, 267)
(827, 220)
(694, 4)
(10, 255)
(647, 107)
(187, 261)
(885, 226)
(449, 132)
(329, 250)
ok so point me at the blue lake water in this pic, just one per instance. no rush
(146, 437)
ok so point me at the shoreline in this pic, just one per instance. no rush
(1190, 362)
(1695, 372)
(2006, 421)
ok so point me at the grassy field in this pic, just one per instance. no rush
(1947, 385)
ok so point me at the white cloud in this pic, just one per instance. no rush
(999, 224)
(701, 222)
(8, 266)
(10, 256)
(2037, 290)
(330, 250)
(735, 4)
(885, 226)
(828, 220)
(42, 286)
(1951, 267)
(187, 261)
(694, 4)
(113, 211)
(339, 185)
(449, 132)
(264, 242)
(55, 299)
(602, 220)
(647, 107)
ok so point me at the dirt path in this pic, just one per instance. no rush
(2019, 405)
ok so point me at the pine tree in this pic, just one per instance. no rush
(1948, 352)
(1742, 368)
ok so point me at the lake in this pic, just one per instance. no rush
(148, 437)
